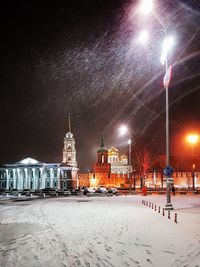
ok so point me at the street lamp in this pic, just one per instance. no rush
(146, 6)
(193, 139)
(167, 44)
(123, 130)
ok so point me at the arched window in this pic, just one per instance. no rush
(69, 148)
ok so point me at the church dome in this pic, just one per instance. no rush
(113, 151)
(69, 135)
(123, 156)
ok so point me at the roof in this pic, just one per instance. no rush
(69, 135)
(123, 156)
(113, 151)
(102, 149)
(28, 161)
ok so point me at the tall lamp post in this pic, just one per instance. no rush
(123, 130)
(146, 7)
(193, 139)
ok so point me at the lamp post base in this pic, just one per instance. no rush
(168, 206)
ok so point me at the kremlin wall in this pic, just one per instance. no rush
(111, 170)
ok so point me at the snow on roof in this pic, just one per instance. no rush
(29, 161)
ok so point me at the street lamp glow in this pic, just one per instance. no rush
(143, 38)
(167, 44)
(193, 138)
(163, 58)
(123, 130)
(146, 6)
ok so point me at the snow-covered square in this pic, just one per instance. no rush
(99, 231)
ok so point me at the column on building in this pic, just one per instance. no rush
(58, 178)
(55, 178)
(14, 179)
(34, 180)
(51, 178)
(26, 179)
(18, 180)
(7, 180)
(37, 178)
(43, 177)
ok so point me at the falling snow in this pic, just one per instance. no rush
(93, 67)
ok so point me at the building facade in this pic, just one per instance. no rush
(33, 175)
(110, 170)
(119, 163)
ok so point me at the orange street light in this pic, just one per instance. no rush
(193, 139)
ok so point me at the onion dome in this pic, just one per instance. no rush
(123, 156)
(113, 151)
(69, 135)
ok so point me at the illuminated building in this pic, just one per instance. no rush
(119, 163)
(32, 174)
(111, 169)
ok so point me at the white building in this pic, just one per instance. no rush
(69, 154)
(69, 150)
(32, 174)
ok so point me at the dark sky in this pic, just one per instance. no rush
(84, 59)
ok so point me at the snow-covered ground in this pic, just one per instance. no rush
(103, 231)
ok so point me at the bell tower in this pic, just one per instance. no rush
(69, 150)
(102, 166)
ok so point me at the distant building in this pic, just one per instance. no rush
(69, 150)
(119, 163)
(32, 174)
(69, 154)
(111, 169)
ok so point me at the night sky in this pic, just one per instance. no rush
(85, 59)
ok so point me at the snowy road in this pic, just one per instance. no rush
(113, 231)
